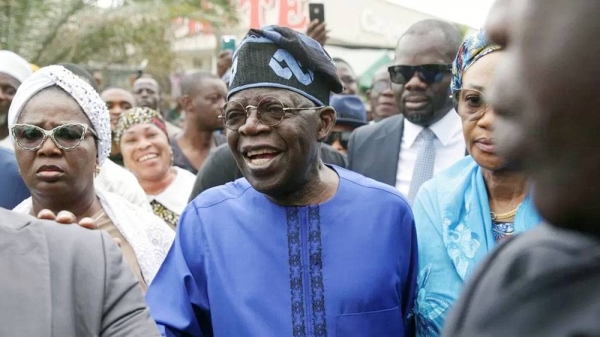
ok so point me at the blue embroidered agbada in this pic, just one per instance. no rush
(244, 266)
(454, 231)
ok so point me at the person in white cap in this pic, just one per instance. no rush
(13, 71)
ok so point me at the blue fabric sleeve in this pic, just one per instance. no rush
(178, 297)
(409, 290)
(14, 190)
(423, 209)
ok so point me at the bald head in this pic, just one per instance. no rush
(203, 96)
(426, 42)
(437, 36)
(191, 81)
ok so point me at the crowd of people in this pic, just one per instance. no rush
(460, 200)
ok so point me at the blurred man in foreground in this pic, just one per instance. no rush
(546, 97)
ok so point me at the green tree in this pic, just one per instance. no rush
(80, 31)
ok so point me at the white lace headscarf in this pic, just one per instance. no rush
(87, 98)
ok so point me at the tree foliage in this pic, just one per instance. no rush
(79, 31)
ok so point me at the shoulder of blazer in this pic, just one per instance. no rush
(390, 124)
(14, 220)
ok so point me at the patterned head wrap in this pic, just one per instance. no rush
(472, 49)
(280, 57)
(87, 98)
(138, 115)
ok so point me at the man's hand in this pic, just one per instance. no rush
(68, 218)
(318, 31)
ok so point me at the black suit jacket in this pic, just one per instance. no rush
(374, 149)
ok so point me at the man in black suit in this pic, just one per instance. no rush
(393, 151)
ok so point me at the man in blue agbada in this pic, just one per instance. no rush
(297, 247)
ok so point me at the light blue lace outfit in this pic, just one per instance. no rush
(454, 232)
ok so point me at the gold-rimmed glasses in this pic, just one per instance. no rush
(269, 111)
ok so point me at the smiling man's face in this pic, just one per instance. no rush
(277, 160)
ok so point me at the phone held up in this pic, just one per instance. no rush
(228, 42)
(316, 12)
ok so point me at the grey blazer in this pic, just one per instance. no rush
(374, 149)
(67, 281)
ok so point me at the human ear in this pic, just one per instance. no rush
(327, 121)
(185, 102)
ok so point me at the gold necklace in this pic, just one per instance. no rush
(505, 216)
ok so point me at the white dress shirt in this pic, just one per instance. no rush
(449, 147)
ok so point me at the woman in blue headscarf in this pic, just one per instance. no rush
(463, 213)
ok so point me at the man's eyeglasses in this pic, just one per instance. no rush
(269, 111)
(66, 136)
(470, 104)
(428, 73)
(343, 137)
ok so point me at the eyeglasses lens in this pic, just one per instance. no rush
(471, 104)
(234, 115)
(69, 135)
(28, 136)
(270, 111)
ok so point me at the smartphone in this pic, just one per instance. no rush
(228, 42)
(316, 12)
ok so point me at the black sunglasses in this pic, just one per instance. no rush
(428, 73)
(342, 136)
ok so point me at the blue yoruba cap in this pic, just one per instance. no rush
(279, 57)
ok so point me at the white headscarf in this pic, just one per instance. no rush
(87, 98)
(14, 65)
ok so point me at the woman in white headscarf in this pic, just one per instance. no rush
(61, 130)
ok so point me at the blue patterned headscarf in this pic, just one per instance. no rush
(472, 49)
